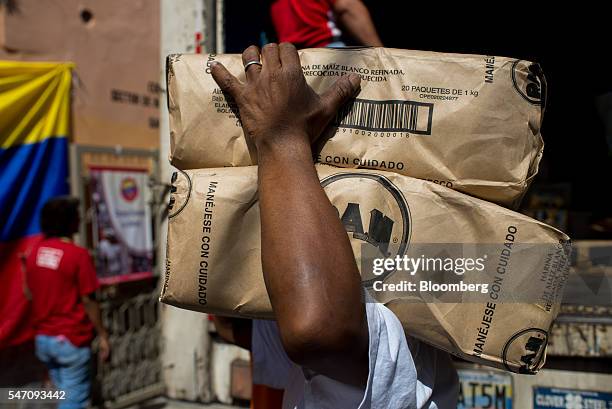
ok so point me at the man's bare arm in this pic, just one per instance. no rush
(309, 267)
(355, 18)
(92, 308)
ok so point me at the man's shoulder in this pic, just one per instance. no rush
(68, 247)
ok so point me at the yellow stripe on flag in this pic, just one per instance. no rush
(34, 101)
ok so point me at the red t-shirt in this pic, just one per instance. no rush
(58, 274)
(305, 23)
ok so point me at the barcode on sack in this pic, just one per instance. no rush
(386, 116)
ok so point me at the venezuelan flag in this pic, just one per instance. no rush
(34, 129)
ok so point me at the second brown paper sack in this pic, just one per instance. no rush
(214, 258)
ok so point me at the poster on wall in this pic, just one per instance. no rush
(484, 389)
(122, 224)
(545, 398)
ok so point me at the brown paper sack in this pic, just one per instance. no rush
(468, 122)
(214, 258)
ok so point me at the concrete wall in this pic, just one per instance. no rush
(185, 337)
(115, 46)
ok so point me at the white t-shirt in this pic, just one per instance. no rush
(400, 376)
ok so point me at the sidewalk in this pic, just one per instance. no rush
(164, 403)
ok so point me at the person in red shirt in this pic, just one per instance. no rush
(62, 283)
(312, 23)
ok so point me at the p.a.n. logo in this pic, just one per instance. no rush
(374, 213)
(525, 351)
(379, 229)
(529, 81)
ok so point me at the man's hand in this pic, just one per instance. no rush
(92, 308)
(276, 104)
(103, 348)
(308, 263)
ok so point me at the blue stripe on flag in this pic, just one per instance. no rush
(30, 175)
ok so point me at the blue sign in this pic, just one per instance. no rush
(546, 398)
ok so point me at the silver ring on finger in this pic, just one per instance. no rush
(247, 65)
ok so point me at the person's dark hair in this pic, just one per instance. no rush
(59, 216)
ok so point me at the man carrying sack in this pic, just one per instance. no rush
(331, 346)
